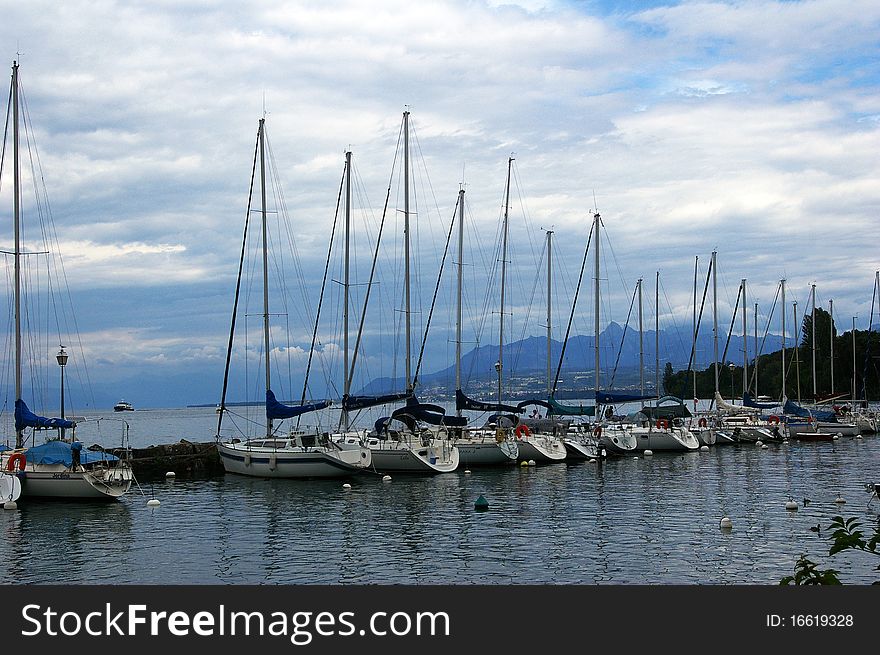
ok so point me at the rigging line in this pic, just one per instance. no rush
(694, 343)
(525, 322)
(571, 315)
(237, 289)
(764, 337)
(672, 313)
(434, 299)
(632, 303)
(732, 324)
(868, 339)
(321, 297)
(357, 342)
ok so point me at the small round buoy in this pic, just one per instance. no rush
(592, 461)
(481, 504)
(858, 436)
(764, 446)
(649, 452)
(791, 505)
(785, 442)
(704, 448)
(759, 443)
(467, 471)
(10, 504)
(837, 436)
(386, 478)
(839, 500)
(346, 486)
(532, 462)
(171, 474)
(524, 463)
(726, 523)
(153, 503)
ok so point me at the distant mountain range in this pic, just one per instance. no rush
(527, 358)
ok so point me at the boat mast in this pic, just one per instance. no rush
(782, 284)
(854, 360)
(596, 222)
(715, 314)
(797, 359)
(409, 387)
(549, 307)
(813, 336)
(265, 261)
(756, 350)
(458, 305)
(831, 312)
(17, 257)
(500, 364)
(694, 333)
(346, 389)
(745, 342)
(641, 348)
(657, 336)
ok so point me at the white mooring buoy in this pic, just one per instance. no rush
(791, 505)
(153, 503)
(467, 471)
(10, 504)
(726, 523)
(649, 452)
(592, 461)
(532, 462)
(759, 443)
(839, 500)
(386, 478)
(704, 448)
(346, 486)
(764, 446)
(170, 474)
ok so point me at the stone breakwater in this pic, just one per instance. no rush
(184, 458)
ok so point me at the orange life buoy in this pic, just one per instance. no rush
(662, 423)
(703, 422)
(522, 427)
(773, 419)
(597, 431)
(16, 458)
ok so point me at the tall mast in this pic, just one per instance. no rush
(831, 311)
(549, 307)
(17, 218)
(596, 221)
(694, 332)
(756, 350)
(265, 261)
(745, 343)
(797, 359)
(458, 304)
(813, 335)
(500, 365)
(782, 284)
(715, 314)
(406, 247)
(854, 361)
(657, 335)
(345, 289)
(641, 347)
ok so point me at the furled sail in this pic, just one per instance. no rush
(25, 418)
(725, 406)
(463, 402)
(748, 401)
(534, 401)
(277, 410)
(571, 410)
(792, 408)
(426, 413)
(351, 403)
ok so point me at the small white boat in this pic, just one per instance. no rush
(123, 406)
(664, 437)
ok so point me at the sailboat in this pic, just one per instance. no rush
(399, 443)
(476, 446)
(60, 467)
(298, 453)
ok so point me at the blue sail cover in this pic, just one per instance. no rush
(615, 397)
(791, 407)
(749, 402)
(275, 409)
(559, 409)
(25, 418)
(463, 402)
(426, 413)
(61, 452)
(351, 403)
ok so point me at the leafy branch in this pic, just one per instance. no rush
(846, 535)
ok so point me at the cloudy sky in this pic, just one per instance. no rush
(751, 128)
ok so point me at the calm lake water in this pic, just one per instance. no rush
(651, 520)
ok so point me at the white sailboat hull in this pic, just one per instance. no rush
(401, 457)
(474, 451)
(673, 439)
(617, 439)
(541, 448)
(576, 448)
(57, 481)
(295, 462)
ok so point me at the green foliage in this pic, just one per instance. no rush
(845, 535)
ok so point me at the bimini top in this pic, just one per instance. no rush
(61, 452)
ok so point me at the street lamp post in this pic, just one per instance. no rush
(62, 362)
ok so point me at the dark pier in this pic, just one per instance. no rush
(184, 458)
